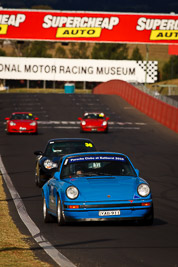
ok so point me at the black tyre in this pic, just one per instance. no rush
(38, 181)
(149, 219)
(60, 218)
(106, 131)
(47, 217)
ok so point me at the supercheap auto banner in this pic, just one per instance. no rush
(91, 70)
(88, 26)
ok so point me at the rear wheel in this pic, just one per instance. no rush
(60, 218)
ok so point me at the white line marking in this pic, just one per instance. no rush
(59, 258)
(140, 123)
(125, 128)
(78, 122)
(59, 127)
(75, 127)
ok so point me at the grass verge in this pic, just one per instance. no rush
(14, 248)
(44, 91)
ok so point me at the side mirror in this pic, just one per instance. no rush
(38, 153)
(79, 118)
(36, 118)
(7, 119)
(56, 175)
(107, 118)
(137, 172)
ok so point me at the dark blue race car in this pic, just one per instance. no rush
(97, 186)
(47, 161)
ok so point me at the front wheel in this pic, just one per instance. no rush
(38, 181)
(47, 217)
(149, 219)
(106, 131)
(60, 218)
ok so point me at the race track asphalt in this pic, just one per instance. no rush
(153, 149)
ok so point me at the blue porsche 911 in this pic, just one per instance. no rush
(97, 186)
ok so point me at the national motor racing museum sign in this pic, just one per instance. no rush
(88, 26)
(90, 70)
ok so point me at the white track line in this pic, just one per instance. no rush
(78, 123)
(59, 258)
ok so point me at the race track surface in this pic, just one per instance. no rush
(152, 148)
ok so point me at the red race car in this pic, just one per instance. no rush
(22, 122)
(94, 122)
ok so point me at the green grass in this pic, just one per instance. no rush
(44, 91)
(15, 247)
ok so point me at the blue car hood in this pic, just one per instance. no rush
(106, 188)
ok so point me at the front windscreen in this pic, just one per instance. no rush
(97, 166)
(55, 149)
(22, 116)
(94, 116)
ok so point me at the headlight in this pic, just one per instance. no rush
(33, 123)
(12, 123)
(72, 192)
(143, 190)
(104, 123)
(49, 164)
(83, 122)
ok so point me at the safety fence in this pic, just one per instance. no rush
(150, 105)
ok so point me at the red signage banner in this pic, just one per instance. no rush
(173, 50)
(81, 26)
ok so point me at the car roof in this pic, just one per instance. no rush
(93, 112)
(21, 113)
(70, 140)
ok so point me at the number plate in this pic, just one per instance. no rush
(109, 213)
(22, 129)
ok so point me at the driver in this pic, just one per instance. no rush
(79, 170)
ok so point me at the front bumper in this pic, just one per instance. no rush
(22, 130)
(94, 129)
(128, 211)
